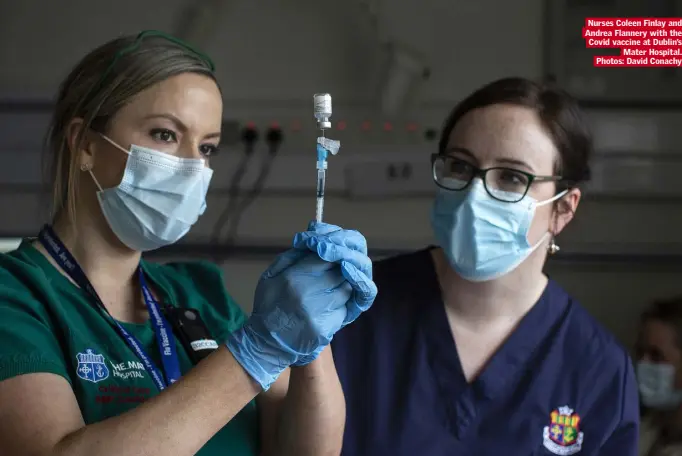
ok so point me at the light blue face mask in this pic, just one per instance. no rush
(656, 384)
(484, 238)
(158, 200)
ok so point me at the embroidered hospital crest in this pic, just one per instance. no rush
(91, 366)
(563, 436)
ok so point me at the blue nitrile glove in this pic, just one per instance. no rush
(348, 247)
(300, 302)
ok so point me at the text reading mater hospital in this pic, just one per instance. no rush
(637, 42)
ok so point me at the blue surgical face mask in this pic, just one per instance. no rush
(656, 384)
(484, 238)
(158, 200)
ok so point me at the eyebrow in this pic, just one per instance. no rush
(503, 161)
(515, 162)
(179, 124)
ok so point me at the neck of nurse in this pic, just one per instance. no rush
(106, 262)
(504, 300)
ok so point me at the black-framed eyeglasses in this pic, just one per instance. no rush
(503, 184)
(149, 34)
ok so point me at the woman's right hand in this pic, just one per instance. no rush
(302, 300)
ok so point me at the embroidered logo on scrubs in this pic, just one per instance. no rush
(563, 436)
(91, 366)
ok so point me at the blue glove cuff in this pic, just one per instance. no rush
(243, 349)
(305, 360)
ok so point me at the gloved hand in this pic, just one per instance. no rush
(349, 247)
(332, 243)
(299, 304)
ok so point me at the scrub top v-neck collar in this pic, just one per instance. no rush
(463, 400)
(58, 279)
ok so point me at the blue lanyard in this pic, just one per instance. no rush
(164, 336)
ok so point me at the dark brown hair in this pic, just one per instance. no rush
(558, 111)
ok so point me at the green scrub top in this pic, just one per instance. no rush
(47, 324)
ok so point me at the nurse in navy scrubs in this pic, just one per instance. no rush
(469, 348)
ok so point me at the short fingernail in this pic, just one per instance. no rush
(350, 270)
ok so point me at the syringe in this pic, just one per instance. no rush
(322, 112)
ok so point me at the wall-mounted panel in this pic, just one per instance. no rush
(638, 154)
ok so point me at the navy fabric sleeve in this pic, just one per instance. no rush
(624, 441)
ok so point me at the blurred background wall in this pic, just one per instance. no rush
(394, 70)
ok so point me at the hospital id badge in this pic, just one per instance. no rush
(192, 332)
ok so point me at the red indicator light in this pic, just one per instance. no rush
(296, 125)
(341, 125)
(250, 125)
(366, 125)
(412, 126)
(388, 126)
(274, 125)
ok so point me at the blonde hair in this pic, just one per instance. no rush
(98, 86)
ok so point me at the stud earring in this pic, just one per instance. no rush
(86, 167)
(553, 248)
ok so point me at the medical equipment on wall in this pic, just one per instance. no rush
(239, 202)
(273, 139)
(322, 112)
(249, 137)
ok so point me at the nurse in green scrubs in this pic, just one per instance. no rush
(89, 361)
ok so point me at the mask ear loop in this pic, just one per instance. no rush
(554, 198)
(88, 167)
(552, 247)
(113, 143)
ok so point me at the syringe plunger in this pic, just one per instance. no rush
(322, 110)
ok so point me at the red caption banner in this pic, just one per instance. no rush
(643, 42)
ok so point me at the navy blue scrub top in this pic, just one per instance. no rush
(560, 384)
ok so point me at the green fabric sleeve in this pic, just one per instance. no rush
(27, 342)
